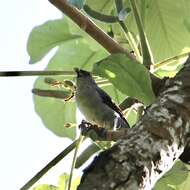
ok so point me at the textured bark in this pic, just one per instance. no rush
(150, 149)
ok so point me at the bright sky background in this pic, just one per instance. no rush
(26, 145)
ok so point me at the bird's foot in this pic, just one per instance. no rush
(97, 133)
(92, 131)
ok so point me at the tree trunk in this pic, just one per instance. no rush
(150, 148)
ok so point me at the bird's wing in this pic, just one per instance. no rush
(108, 101)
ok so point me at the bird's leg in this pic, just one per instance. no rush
(97, 133)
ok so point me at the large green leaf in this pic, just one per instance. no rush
(47, 36)
(128, 76)
(165, 23)
(75, 54)
(165, 27)
(186, 184)
(114, 93)
(55, 33)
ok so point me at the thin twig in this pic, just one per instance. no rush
(131, 40)
(146, 52)
(35, 73)
(80, 139)
(128, 35)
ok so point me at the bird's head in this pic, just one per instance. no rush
(84, 77)
(82, 73)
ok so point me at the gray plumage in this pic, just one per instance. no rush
(95, 104)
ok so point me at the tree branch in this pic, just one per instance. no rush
(149, 149)
(90, 27)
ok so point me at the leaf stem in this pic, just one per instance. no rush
(131, 41)
(128, 35)
(99, 16)
(80, 139)
(170, 60)
(146, 52)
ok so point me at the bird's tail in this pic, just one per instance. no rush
(120, 123)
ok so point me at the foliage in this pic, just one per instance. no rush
(62, 184)
(177, 175)
(166, 30)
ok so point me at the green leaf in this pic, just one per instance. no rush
(62, 184)
(164, 186)
(75, 54)
(47, 36)
(56, 114)
(187, 24)
(75, 183)
(165, 27)
(103, 6)
(167, 31)
(115, 94)
(45, 187)
(131, 117)
(161, 73)
(186, 184)
(63, 181)
(175, 176)
(128, 76)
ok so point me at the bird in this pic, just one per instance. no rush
(95, 104)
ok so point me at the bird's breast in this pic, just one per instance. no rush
(94, 110)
